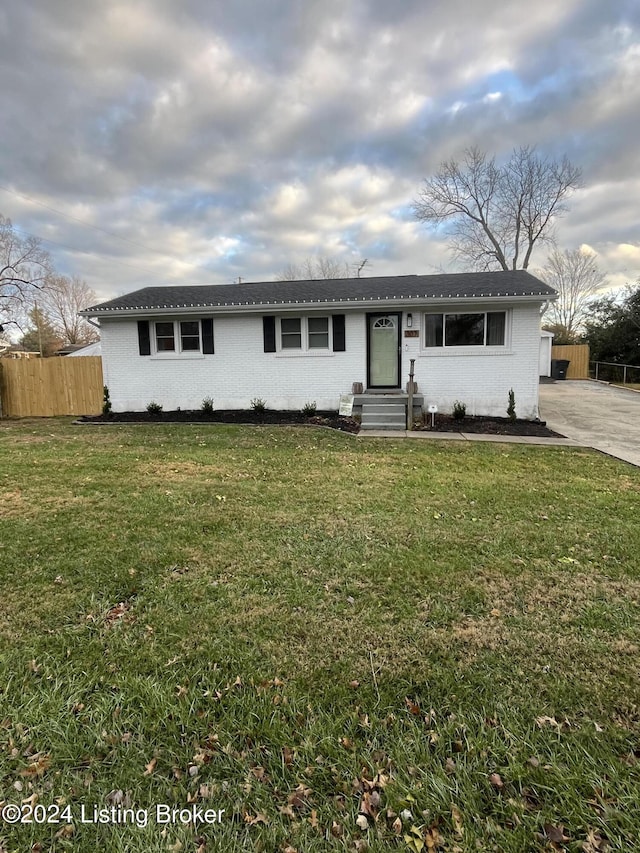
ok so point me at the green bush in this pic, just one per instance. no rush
(309, 409)
(459, 410)
(511, 408)
(154, 408)
(207, 406)
(258, 405)
(106, 401)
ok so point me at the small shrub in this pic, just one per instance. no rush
(511, 408)
(154, 408)
(459, 410)
(258, 405)
(207, 406)
(106, 401)
(309, 409)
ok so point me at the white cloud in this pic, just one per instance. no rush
(231, 139)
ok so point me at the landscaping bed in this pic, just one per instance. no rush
(274, 417)
(230, 416)
(490, 426)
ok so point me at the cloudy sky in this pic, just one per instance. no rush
(195, 141)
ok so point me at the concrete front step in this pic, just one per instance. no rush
(383, 408)
(374, 425)
(388, 415)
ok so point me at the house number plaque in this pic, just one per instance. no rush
(411, 333)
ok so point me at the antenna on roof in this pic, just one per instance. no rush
(361, 266)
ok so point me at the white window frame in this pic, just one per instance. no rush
(304, 349)
(178, 352)
(460, 349)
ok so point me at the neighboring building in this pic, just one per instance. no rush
(86, 350)
(473, 336)
(546, 344)
(69, 349)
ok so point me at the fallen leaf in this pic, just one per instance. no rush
(595, 843)
(336, 830)
(412, 706)
(548, 721)
(39, 764)
(253, 820)
(150, 767)
(298, 798)
(287, 755)
(370, 804)
(362, 822)
(458, 826)
(287, 811)
(555, 834)
(65, 831)
(496, 780)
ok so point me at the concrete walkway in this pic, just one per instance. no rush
(596, 414)
(470, 436)
(590, 414)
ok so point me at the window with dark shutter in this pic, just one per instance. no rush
(269, 333)
(144, 339)
(339, 340)
(207, 336)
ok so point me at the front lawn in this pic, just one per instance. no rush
(298, 627)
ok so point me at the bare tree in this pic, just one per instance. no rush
(315, 268)
(61, 299)
(497, 213)
(575, 275)
(24, 266)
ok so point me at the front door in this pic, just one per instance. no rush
(383, 350)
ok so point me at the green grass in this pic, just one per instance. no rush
(295, 624)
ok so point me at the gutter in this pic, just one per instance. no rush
(335, 305)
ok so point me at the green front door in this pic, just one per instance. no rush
(383, 343)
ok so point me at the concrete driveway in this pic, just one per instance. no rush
(598, 415)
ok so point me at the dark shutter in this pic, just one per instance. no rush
(339, 344)
(269, 333)
(144, 341)
(207, 335)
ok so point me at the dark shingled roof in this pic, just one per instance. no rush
(265, 294)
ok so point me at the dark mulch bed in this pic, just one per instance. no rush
(490, 426)
(443, 423)
(229, 416)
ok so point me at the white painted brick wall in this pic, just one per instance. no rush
(240, 370)
(482, 379)
(237, 372)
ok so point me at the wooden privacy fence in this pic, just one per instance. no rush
(578, 355)
(44, 387)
